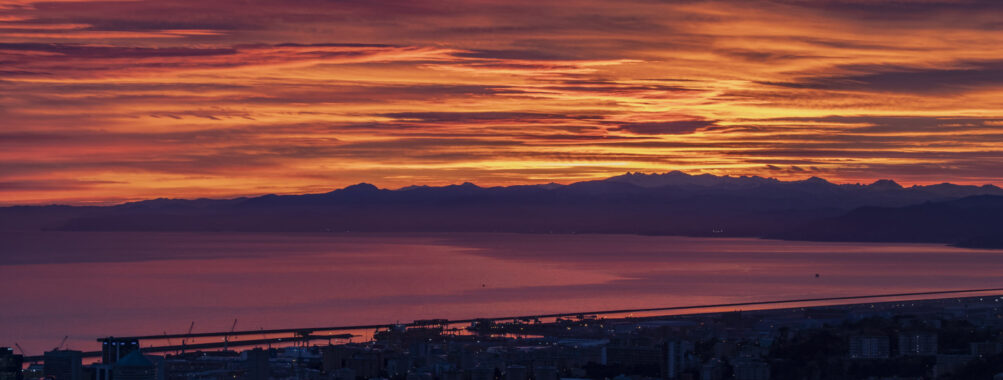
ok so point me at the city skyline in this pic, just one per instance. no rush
(106, 102)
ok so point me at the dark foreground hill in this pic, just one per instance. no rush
(671, 204)
(975, 222)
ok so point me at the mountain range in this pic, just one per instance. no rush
(673, 203)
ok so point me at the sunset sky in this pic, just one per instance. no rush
(110, 101)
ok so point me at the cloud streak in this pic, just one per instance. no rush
(113, 101)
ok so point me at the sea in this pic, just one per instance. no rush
(86, 285)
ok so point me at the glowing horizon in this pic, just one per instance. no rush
(111, 101)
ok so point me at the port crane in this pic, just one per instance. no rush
(61, 343)
(168, 339)
(20, 349)
(226, 338)
(183, 341)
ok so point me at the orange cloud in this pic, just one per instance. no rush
(113, 101)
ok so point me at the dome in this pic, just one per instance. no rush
(134, 360)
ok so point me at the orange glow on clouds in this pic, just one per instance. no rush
(108, 101)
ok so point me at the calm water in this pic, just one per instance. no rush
(87, 285)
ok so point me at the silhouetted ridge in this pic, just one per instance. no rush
(360, 188)
(971, 221)
(678, 178)
(673, 203)
(885, 184)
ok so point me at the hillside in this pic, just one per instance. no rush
(673, 203)
(975, 222)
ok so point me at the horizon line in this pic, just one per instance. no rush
(97, 203)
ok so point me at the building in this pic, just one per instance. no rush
(869, 347)
(986, 348)
(633, 355)
(10, 364)
(34, 371)
(335, 357)
(482, 373)
(366, 363)
(918, 343)
(63, 365)
(343, 374)
(712, 370)
(113, 349)
(948, 364)
(134, 366)
(674, 355)
(545, 373)
(516, 372)
(751, 370)
(257, 365)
